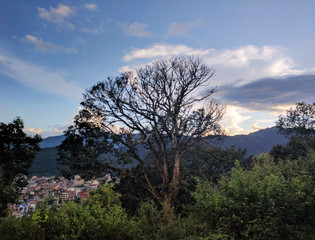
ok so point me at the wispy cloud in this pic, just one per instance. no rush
(58, 15)
(135, 29)
(40, 45)
(180, 29)
(95, 30)
(91, 6)
(38, 77)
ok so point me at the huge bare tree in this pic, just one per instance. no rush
(164, 107)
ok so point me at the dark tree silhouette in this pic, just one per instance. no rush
(17, 150)
(299, 121)
(83, 147)
(159, 110)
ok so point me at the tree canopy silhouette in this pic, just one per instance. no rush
(299, 121)
(159, 111)
(17, 150)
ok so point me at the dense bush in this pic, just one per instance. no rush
(270, 201)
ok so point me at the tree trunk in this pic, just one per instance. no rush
(172, 192)
(168, 210)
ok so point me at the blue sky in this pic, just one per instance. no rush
(51, 51)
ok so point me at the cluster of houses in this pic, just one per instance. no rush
(53, 190)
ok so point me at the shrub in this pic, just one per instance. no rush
(270, 201)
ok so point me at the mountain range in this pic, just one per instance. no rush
(256, 143)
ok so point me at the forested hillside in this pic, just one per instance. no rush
(255, 143)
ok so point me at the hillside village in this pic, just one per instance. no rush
(55, 191)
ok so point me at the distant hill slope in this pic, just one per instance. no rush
(256, 143)
(45, 163)
(52, 141)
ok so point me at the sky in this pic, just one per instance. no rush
(263, 53)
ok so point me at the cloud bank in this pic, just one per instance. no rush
(268, 93)
(241, 65)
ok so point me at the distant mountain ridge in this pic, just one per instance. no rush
(256, 143)
(53, 141)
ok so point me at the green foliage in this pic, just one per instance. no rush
(150, 219)
(102, 217)
(7, 194)
(133, 194)
(211, 162)
(17, 151)
(104, 197)
(85, 144)
(271, 201)
(12, 228)
(94, 220)
(152, 224)
(296, 148)
(217, 237)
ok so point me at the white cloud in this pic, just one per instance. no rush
(234, 116)
(91, 6)
(238, 66)
(180, 29)
(47, 46)
(135, 29)
(282, 65)
(38, 77)
(56, 130)
(163, 50)
(58, 15)
(34, 130)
